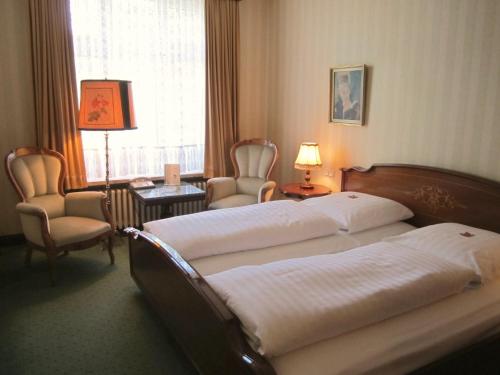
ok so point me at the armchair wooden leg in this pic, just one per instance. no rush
(110, 250)
(27, 259)
(51, 259)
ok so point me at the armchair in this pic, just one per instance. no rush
(53, 221)
(253, 161)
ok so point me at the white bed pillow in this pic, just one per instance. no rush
(477, 248)
(355, 212)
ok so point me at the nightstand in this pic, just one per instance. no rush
(295, 191)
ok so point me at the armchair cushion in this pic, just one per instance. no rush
(70, 229)
(249, 185)
(221, 187)
(53, 204)
(37, 174)
(235, 200)
(254, 160)
(85, 204)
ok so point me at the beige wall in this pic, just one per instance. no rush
(16, 99)
(254, 75)
(433, 85)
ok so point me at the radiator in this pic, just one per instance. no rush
(122, 208)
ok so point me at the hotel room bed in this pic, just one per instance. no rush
(211, 334)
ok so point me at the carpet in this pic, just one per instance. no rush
(94, 321)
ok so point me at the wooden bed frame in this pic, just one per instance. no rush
(210, 334)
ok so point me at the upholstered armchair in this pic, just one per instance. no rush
(253, 161)
(52, 221)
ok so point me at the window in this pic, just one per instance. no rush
(159, 45)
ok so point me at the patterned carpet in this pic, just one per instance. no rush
(94, 321)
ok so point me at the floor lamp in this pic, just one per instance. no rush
(106, 105)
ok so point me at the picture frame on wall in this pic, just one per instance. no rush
(347, 95)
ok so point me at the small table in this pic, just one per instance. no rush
(295, 191)
(164, 196)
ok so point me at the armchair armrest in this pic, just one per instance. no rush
(266, 191)
(91, 204)
(35, 224)
(220, 187)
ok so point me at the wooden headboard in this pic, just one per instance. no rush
(435, 195)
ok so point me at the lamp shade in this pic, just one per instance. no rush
(308, 157)
(106, 105)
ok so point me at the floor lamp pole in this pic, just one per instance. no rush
(108, 187)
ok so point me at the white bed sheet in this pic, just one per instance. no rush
(317, 246)
(404, 343)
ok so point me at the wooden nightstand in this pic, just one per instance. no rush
(295, 191)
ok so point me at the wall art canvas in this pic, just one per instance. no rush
(347, 95)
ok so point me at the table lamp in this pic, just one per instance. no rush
(308, 159)
(106, 105)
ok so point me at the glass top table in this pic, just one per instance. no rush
(165, 195)
(162, 194)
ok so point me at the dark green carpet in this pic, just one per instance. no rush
(94, 321)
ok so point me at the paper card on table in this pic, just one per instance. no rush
(172, 174)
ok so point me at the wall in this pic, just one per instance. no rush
(16, 99)
(253, 73)
(433, 88)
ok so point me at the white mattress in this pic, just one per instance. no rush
(403, 343)
(323, 245)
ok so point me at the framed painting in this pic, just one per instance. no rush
(347, 95)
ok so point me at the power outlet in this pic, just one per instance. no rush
(330, 173)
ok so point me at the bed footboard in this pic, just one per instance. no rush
(207, 331)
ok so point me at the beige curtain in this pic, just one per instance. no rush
(222, 45)
(56, 106)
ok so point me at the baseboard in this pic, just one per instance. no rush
(12, 239)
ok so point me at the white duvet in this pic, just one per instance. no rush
(289, 304)
(241, 228)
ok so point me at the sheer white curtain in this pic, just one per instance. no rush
(159, 45)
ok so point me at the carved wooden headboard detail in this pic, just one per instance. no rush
(435, 195)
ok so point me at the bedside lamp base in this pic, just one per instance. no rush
(307, 178)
